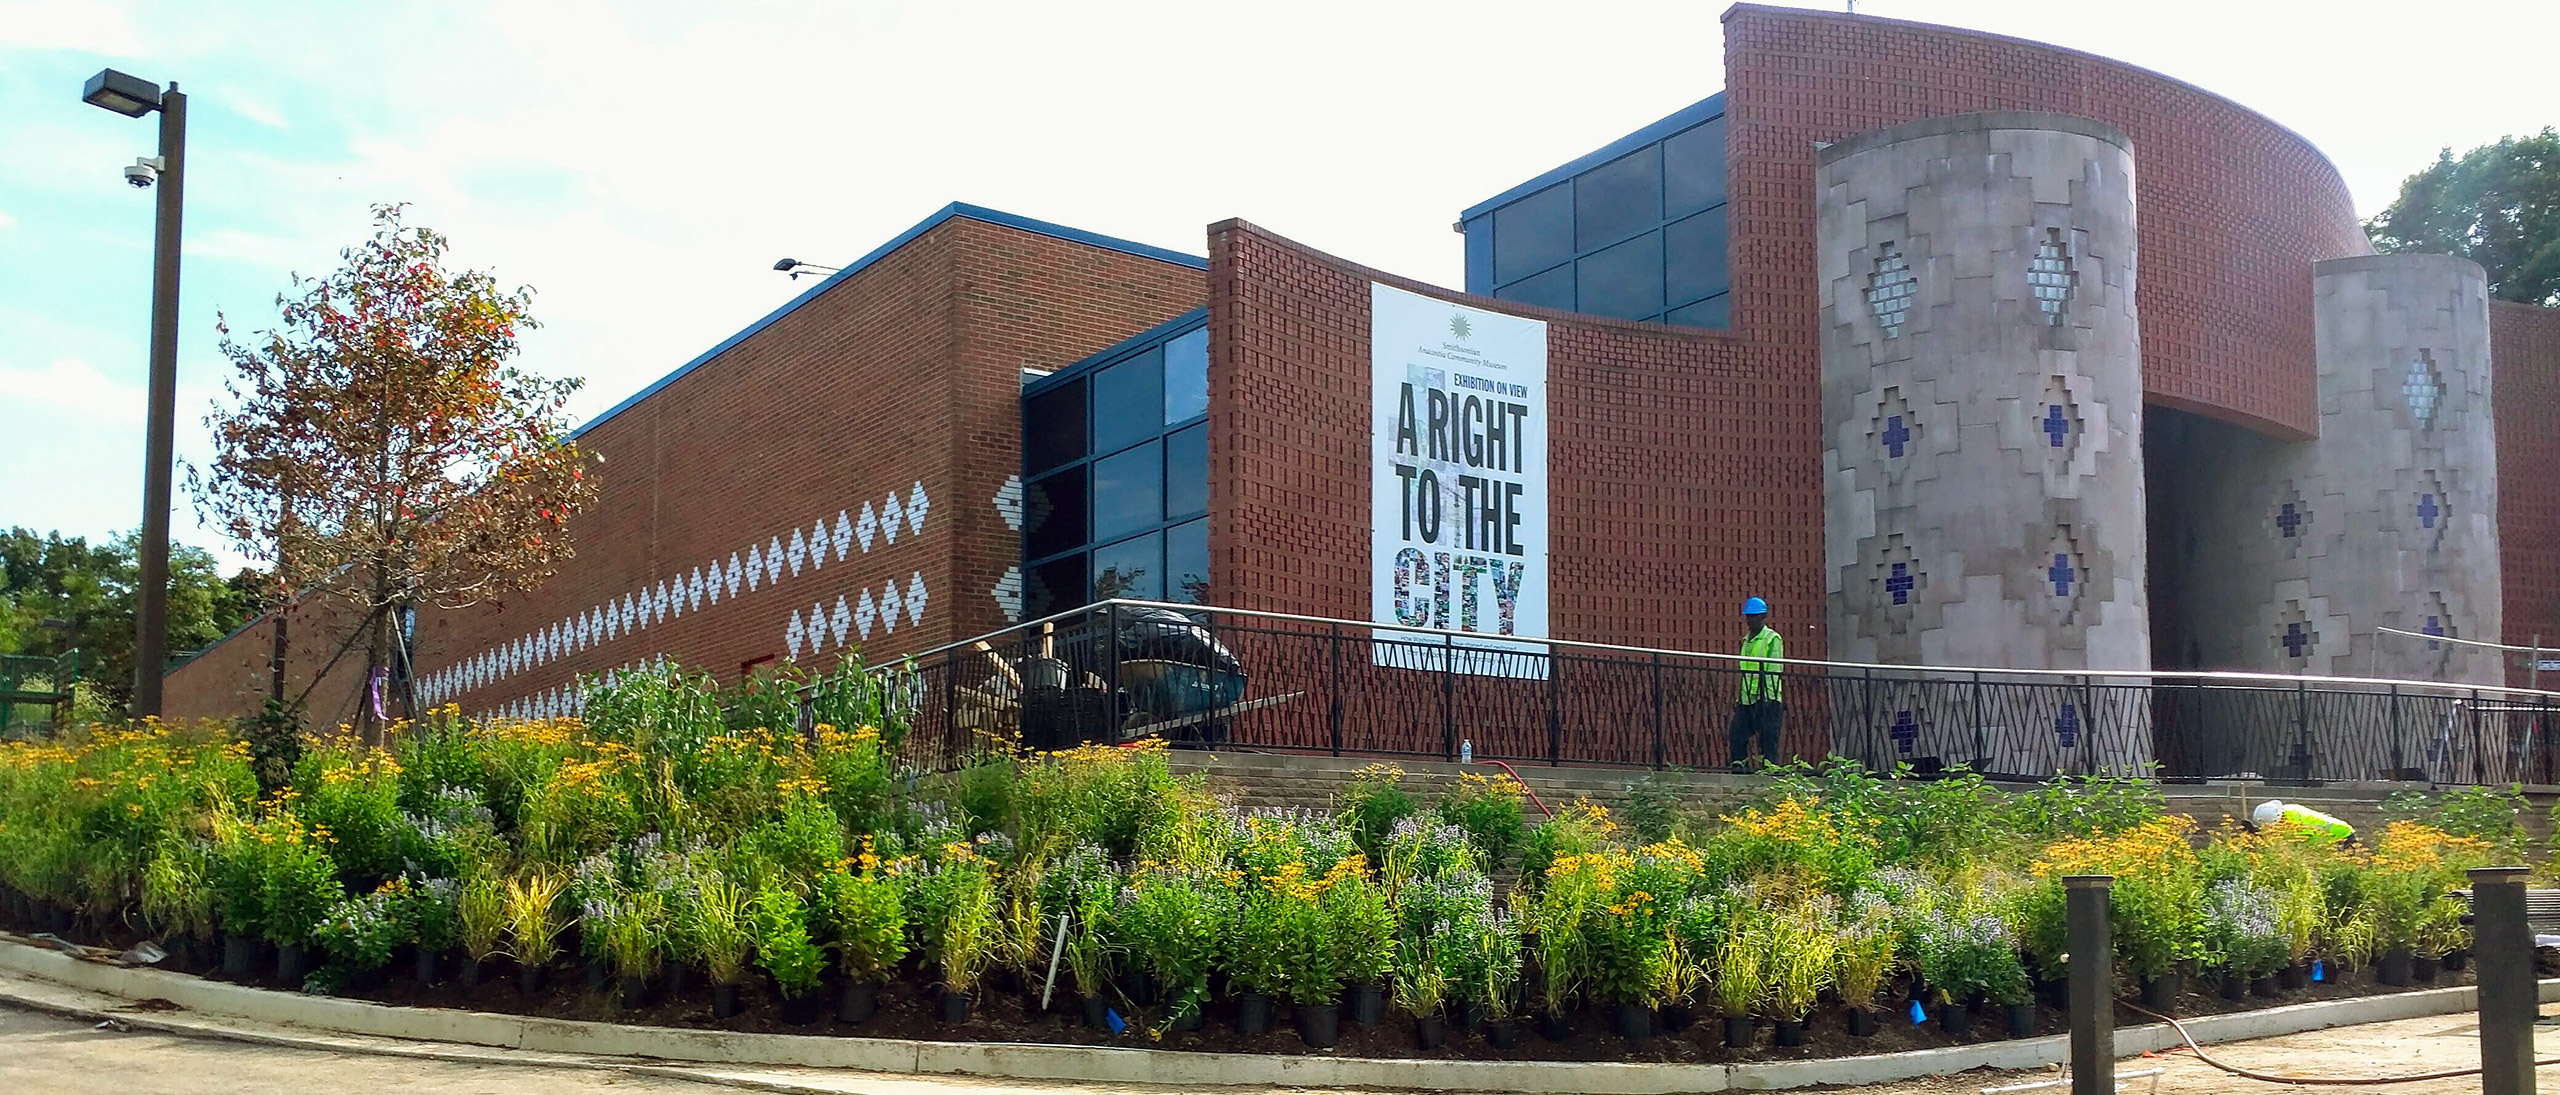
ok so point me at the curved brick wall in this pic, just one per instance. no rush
(2233, 209)
(2524, 353)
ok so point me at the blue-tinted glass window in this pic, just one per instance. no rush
(1715, 311)
(1693, 168)
(1533, 233)
(1186, 472)
(1130, 568)
(1128, 401)
(1128, 491)
(1186, 377)
(1624, 281)
(1693, 257)
(1553, 289)
(1186, 562)
(1617, 198)
(1053, 427)
(1480, 254)
(1054, 586)
(1053, 513)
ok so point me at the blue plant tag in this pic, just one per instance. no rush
(2319, 970)
(1117, 1023)
(1919, 1014)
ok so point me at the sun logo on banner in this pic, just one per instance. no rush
(1459, 326)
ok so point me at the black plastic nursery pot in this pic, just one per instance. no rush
(2160, 993)
(955, 1007)
(1553, 1026)
(804, 1009)
(1676, 1017)
(468, 974)
(1788, 1032)
(1188, 1019)
(1097, 1013)
(239, 955)
(856, 1001)
(2456, 959)
(1955, 1019)
(2022, 1020)
(599, 975)
(1738, 1032)
(426, 967)
(634, 993)
(530, 978)
(2264, 985)
(1632, 1021)
(1430, 1031)
(2234, 987)
(2294, 978)
(1319, 1025)
(724, 1000)
(1862, 1023)
(1253, 1014)
(1368, 1005)
(1501, 1033)
(2393, 969)
(293, 963)
(2422, 968)
(679, 980)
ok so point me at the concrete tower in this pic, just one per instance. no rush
(1982, 400)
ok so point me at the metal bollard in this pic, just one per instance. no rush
(2509, 998)
(2093, 978)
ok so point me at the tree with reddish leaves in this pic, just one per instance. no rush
(376, 447)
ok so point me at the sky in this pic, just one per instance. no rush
(642, 165)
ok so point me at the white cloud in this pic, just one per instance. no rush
(90, 28)
(6, 221)
(251, 107)
(70, 384)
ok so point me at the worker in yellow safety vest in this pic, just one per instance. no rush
(1761, 707)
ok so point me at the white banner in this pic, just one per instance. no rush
(1458, 482)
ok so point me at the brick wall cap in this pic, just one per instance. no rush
(2034, 120)
(1240, 226)
(2357, 264)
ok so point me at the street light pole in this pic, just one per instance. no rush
(131, 97)
(151, 617)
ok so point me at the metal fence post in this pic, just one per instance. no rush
(2508, 995)
(2302, 723)
(1449, 696)
(2093, 1019)
(2399, 755)
(1555, 708)
(1661, 741)
(1981, 731)
(1866, 706)
(1333, 713)
(2089, 725)
(2479, 743)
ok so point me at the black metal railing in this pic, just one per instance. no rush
(1277, 682)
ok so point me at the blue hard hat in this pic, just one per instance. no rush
(1755, 607)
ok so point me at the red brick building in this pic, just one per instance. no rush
(853, 469)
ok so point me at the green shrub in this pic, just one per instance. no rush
(1489, 809)
(1371, 805)
(865, 918)
(779, 923)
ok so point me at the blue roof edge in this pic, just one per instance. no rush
(1678, 120)
(1086, 364)
(955, 209)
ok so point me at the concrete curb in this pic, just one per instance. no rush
(570, 1043)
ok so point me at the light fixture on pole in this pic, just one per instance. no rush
(795, 268)
(134, 97)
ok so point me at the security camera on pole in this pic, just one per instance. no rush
(133, 98)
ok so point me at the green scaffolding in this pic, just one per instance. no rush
(35, 681)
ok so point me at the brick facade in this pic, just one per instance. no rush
(899, 382)
(2524, 350)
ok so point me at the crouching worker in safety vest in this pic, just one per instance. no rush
(1761, 707)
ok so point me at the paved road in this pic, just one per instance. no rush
(45, 1055)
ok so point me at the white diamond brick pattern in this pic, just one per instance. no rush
(2424, 389)
(760, 565)
(1889, 291)
(1009, 504)
(2050, 277)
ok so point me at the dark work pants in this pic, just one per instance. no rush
(1755, 719)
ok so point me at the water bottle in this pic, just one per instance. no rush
(1467, 751)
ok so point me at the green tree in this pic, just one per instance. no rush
(2498, 205)
(58, 592)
